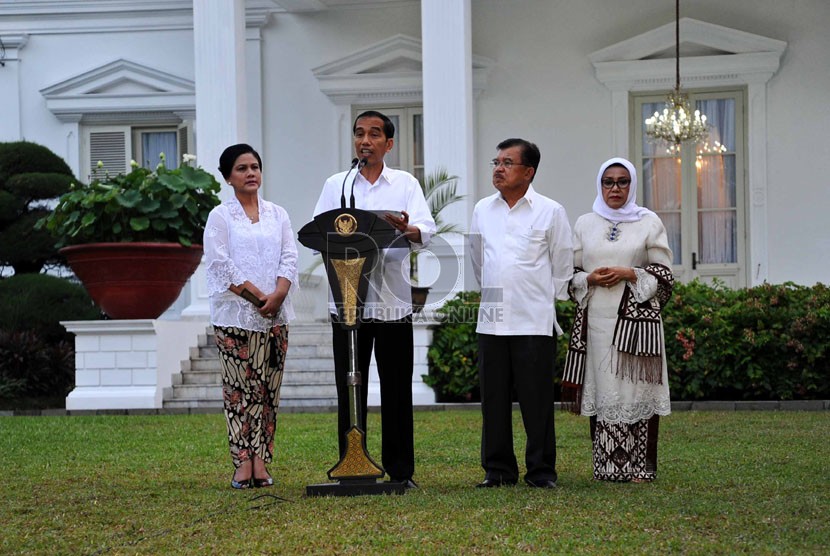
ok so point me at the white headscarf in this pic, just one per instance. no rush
(630, 211)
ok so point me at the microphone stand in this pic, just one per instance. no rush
(360, 166)
(343, 185)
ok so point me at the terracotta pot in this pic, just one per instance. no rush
(133, 280)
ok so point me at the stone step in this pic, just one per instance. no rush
(308, 380)
(294, 365)
(287, 392)
(291, 376)
(296, 350)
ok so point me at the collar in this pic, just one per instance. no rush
(530, 196)
(385, 174)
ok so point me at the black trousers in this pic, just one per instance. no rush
(525, 363)
(393, 346)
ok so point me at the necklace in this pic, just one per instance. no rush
(614, 232)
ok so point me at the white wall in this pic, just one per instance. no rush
(51, 58)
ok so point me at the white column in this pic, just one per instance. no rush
(221, 99)
(446, 37)
(448, 96)
(757, 166)
(11, 126)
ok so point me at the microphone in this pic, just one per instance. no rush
(360, 166)
(343, 185)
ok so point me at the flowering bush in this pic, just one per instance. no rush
(161, 205)
(762, 343)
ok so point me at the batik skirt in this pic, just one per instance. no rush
(625, 451)
(252, 369)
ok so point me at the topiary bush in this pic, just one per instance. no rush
(763, 343)
(37, 356)
(29, 175)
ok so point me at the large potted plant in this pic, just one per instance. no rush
(440, 191)
(133, 240)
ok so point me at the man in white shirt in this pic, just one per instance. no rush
(522, 254)
(387, 322)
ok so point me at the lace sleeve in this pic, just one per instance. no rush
(646, 286)
(220, 269)
(288, 254)
(579, 290)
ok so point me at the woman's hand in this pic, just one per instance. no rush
(273, 302)
(610, 276)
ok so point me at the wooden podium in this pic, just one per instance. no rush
(349, 240)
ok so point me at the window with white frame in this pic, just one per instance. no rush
(698, 190)
(114, 146)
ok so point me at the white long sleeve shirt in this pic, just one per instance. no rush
(390, 292)
(523, 259)
(236, 251)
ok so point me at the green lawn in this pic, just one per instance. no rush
(729, 483)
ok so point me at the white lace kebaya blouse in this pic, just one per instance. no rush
(237, 250)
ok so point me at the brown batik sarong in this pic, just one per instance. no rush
(252, 368)
(623, 451)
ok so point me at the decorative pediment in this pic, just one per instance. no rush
(389, 70)
(709, 52)
(119, 87)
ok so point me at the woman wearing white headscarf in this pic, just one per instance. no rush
(615, 370)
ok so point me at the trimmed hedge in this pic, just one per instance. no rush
(37, 356)
(769, 342)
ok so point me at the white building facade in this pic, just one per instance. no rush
(112, 80)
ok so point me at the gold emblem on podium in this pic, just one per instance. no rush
(345, 224)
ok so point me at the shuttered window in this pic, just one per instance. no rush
(110, 146)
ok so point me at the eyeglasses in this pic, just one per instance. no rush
(506, 164)
(622, 183)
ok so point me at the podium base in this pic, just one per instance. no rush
(355, 487)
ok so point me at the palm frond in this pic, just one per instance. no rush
(441, 190)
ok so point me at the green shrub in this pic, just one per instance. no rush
(33, 367)
(761, 343)
(453, 355)
(38, 302)
(766, 342)
(37, 357)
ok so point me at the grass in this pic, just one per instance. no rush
(729, 483)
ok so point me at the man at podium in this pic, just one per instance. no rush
(387, 316)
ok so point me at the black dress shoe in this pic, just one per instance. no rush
(541, 483)
(492, 483)
(240, 484)
(260, 483)
(408, 484)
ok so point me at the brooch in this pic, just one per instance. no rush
(613, 232)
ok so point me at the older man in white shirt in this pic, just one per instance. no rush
(522, 256)
(387, 323)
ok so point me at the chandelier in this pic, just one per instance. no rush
(677, 123)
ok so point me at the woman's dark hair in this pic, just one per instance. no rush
(229, 156)
(388, 126)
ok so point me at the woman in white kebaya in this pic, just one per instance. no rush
(615, 372)
(251, 265)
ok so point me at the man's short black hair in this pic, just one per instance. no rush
(388, 126)
(530, 152)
